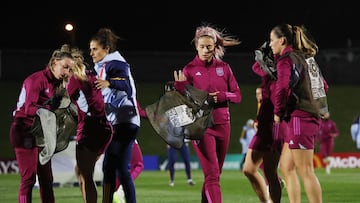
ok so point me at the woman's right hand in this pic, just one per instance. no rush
(179, 76)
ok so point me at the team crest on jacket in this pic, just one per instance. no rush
(219, 71)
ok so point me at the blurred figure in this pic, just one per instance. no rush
(185, 155)
(246, 136)
(355, 132)
(327, 134)
(258, 96)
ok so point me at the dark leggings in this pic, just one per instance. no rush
(116, 162)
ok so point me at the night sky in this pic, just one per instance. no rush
(152, 26)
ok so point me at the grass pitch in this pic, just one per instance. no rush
(342, 185)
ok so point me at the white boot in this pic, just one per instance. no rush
(119, 196)
(328, 168)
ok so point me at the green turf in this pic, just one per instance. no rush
(342, 185)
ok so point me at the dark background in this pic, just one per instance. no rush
(157, 39)
(170, 26)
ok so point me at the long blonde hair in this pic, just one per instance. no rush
(221, 39)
